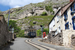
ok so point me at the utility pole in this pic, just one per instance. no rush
(8, 18)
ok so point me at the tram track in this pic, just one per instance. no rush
(39, 46)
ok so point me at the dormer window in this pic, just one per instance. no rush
(67, 25)
(65, 16)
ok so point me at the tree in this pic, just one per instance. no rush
(13, 24)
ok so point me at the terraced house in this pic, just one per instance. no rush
(62, 26)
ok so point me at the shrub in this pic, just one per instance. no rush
(39, 32)
(14, 25)
(21, 33)
(44, 14)
(49, 8)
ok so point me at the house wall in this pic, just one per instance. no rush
(68, 20)
(51, 26)
(56, 39)
(67, 39)
(54, 25)
(4, 33)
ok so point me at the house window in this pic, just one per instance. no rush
(53, 35)
(59, 27)
(65, 16)
(53, 25)
(59, 35)
(67, 25)
(57, 21)
(73, 7)
(73, 22)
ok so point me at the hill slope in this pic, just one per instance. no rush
(25, 16)
(34, 9)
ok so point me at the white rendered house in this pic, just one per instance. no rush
(64, 22)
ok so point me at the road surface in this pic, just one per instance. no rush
(20, 44)
(34, 44)
(49, 45)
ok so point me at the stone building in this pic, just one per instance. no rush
(5, 36)
(62, 26)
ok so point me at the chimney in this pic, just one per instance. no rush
(71, 0)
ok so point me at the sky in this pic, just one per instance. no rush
(7, 4)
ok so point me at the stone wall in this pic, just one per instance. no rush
(4, 33)
(73, 40)
(68, 38)
(55, 39)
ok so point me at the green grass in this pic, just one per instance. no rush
(40, 20)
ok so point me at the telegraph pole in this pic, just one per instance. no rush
(8, 18)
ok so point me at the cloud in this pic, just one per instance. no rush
(18, 3)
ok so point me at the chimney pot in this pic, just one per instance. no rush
(71, 0)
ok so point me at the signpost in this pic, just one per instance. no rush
(12, 30)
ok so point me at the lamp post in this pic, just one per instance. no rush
(41, 31)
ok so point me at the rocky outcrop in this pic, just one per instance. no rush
(34, 9)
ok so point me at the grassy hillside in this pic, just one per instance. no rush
(40, 20)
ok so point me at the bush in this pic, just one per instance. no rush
(44, 14)
(14, 25)
(21, 33)
(39, 32)
(49, 8)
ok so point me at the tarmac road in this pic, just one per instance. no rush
(19, 44)
(50, 45)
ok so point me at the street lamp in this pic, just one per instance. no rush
(41, 31)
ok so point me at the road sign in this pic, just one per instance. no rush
(12, 30)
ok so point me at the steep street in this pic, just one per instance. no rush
(20, 44)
